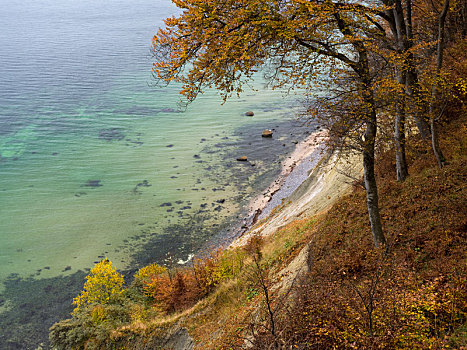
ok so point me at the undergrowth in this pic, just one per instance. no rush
(411, 295)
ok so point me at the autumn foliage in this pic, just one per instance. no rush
(387, 94)
(413, 295)
(102, 284)
(177, 289)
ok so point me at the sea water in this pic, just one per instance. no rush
(96, 162)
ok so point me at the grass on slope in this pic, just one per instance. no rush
(411, 296)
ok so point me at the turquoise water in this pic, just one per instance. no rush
(99, 177)
(95, 162)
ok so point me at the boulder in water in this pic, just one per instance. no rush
(93, 183)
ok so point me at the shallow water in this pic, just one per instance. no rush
(95, 162)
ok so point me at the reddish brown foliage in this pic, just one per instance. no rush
(177, 290)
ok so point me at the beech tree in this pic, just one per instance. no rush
(434, 116)
(399, 20)
(222, 44)
(407, 29)
(394, 21)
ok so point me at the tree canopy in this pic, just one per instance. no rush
(371, 46)
(222, 44)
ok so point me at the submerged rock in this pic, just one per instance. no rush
(112, 134)
(167, 110)
(93, 183)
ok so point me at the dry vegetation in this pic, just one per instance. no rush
(410, 294)
(413, 295)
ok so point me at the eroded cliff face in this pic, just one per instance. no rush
(175, 338)
(328, 181)
(323, 184)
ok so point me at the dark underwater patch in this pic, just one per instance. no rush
(111, 134)
(179, 240)
(92, 183)
(33, 306)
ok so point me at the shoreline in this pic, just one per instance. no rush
(322, 178)
(306, 151)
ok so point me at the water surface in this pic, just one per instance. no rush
(95, 162)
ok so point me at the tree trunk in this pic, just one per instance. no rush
(362, 69)
(370, 182)
(434, 92)
(369, 162)
(369, 140)
(435, 144)
(413, 91)
(402, 31)
(399, 134)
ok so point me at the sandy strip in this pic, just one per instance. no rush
(315, 191)
(304, 151)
